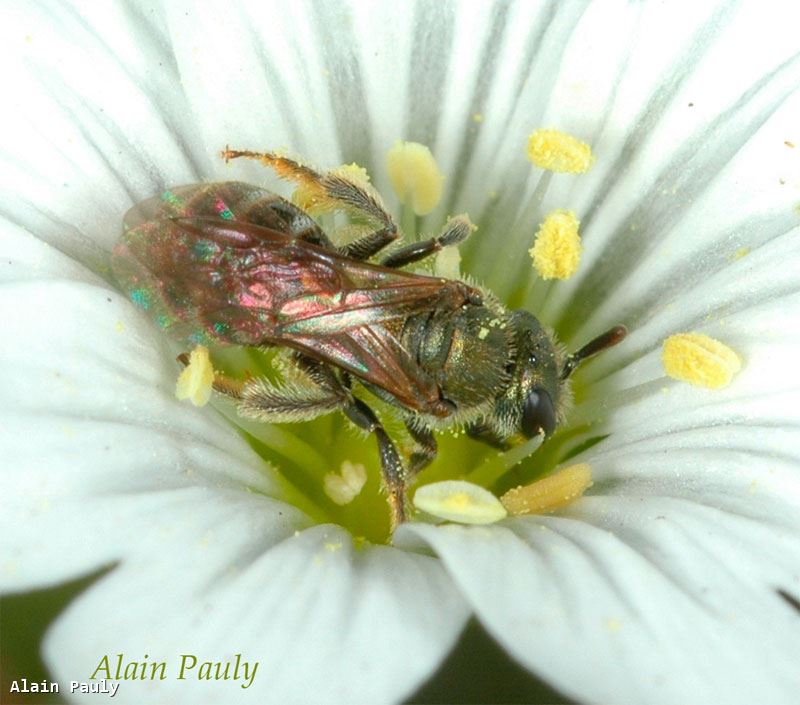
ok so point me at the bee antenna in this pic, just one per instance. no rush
(606, 340)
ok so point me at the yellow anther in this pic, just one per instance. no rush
(196, 380)
(448, 263)
(550, 493)
(557, 250)
(699, 360)
(558, 151)
(343, 487)
(459, 501)
(415, 176)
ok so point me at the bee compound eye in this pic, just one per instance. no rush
(538, 413)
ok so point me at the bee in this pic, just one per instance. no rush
(234, 264)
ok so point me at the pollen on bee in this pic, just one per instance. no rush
(197, 379)
(557, 151)
(550, 493)
(415, 176)
(556, 251)
(343, 487)
(699, 360)
(459, 501)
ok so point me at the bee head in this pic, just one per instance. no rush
(540, 373)
(536, 386)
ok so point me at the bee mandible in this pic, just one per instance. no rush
(234, 264)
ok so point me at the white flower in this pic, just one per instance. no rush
(671, 582)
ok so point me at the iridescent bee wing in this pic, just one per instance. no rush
(215, 279)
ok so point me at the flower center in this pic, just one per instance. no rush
(331, 469)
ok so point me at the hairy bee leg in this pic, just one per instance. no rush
(369, 245)
(332, 186)
(262, 400)
(426, 450)
(454, 232)
(394, 474)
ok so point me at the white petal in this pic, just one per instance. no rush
(325, 621)
(635, 602)
(97, 118)
(89, 420)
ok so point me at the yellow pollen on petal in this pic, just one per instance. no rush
(415, 176)
(557, 151)
(343, 487)
(196, 380)
(557, 249)
(550, 493)
(459, 501)
(699, 360)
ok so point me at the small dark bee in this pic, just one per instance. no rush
(231, 263)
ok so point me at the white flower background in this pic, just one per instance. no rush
(660, 586)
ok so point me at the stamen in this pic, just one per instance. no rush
(196, 380)
(558, 151)
(700, 360)
(448, 263)
(343, 487)
(459, 501)
(415, 176)
(550, 493)
(557, 250)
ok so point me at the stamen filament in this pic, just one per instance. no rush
(496, 465)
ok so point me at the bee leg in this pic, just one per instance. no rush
(455, 231)
(426, 450)
(394, 475)
(264, 401)
(336, 189)
(369, 245)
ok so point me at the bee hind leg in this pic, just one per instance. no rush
(339, 191)
(262, 400)
(454, 232)
(426, 449)
(369, 245)
(394, 474)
